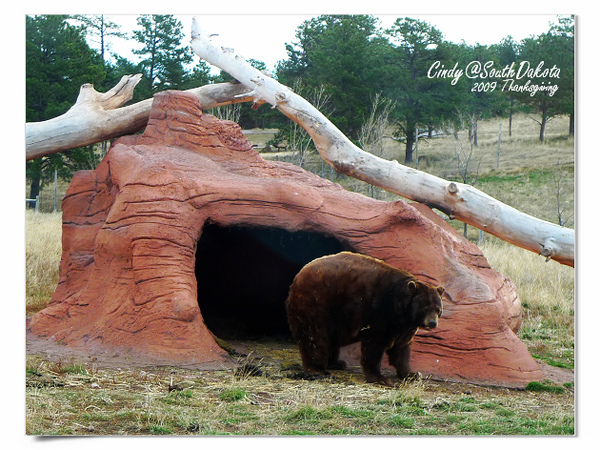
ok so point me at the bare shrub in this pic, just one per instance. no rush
(371, 137)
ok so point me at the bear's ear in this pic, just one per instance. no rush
(440, 290)
(412, 287)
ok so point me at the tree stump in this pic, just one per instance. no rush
(184, 232)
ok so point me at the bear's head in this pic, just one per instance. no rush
(425, 303)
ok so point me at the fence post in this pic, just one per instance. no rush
(55, 188)
(417, 147)
(37, 203)
(499, 138)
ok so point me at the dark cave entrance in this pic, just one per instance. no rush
(244, 274)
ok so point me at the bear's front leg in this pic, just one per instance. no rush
(399, 356)
(372, 353)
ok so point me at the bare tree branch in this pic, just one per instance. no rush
(458, 200)
(96, 117)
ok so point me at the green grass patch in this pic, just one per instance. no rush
(401, 399)
(466, 404)
(298, 433)
(501, 179)
(157, 429)
(76, 369)
(399, 420)
(536, 386)
(553, 362)
(505, 412)
(362, 414)
(233, 394)
(178, 397)
(490, 405)
(308, 414)
(238, 414)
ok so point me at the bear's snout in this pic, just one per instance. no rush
(432, 323)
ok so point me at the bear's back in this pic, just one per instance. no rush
(337, 279)
(347, 263)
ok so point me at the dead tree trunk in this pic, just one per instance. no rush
(96, 117)
(543, 125)
(572, 124)
(457, 200)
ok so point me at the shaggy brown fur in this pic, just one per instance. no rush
(344, 298)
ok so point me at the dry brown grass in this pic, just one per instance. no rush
(521, 150)
(43, 249)
(541, 285)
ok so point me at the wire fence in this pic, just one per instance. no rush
(33, 203)
(47, 201)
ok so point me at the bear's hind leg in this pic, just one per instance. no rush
(335, 363)
(315, 356)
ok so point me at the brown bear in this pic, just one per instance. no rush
(344, 298)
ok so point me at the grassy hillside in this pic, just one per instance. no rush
(533, 177)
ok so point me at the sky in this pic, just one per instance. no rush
(263, 36)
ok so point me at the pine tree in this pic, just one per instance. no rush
(481, 101)
(99, 29)
(58, 62)
(564, 32)
(507, 53)
(163, 56)
(343, 54)
(556, 51)
(421, 101)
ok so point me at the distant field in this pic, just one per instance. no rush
(529, 176)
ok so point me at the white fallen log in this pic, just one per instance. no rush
(459, 201)
(96, 117)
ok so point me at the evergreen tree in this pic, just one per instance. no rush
(163, 56)
(507, 54)
(556, 52)
(421, 101)
(345, 55)
(482, 102)
(58, 62)
(564, 37)
(199, 76)
(98, 30)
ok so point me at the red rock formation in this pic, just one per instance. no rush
(132, 226)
